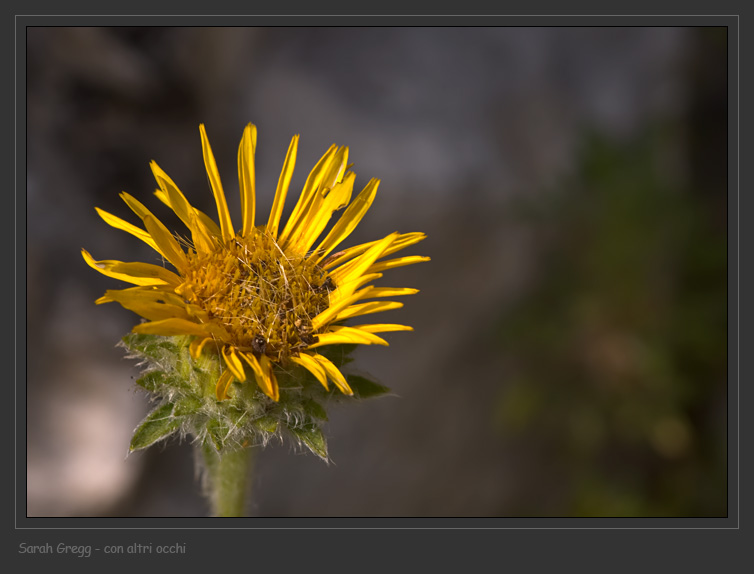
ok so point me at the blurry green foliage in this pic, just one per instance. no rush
(618, 353)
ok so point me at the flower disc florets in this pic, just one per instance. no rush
(264, 298)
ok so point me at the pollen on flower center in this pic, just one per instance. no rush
(264, 298)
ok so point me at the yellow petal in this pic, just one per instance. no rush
(383, 328)
(318, 207)
(170, 327)
(393, 263)
(167, 243)
(263, 374)
(348, 335)
(203, 218)
(270, 379)
(403, 241)
(307, 195)
(136, 273)
(334, 374)
(199, 315)
(197, 346)
(233, 363)
(313, 367)
(155, 291)
(348, 221)
(333, 173)
(150, 304)
(366, 308)
(389, 292)
(331, 312)
(335, 339)
(366, 335)
(247, 177)
(226, 225)
(253, 363)
(119, 223)
(337, 198)
(359, 266)
(336, 170)
(223, 384)
(348, 289)
(282, 189)
(200, 233)
(136, 206)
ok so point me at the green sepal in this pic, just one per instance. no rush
(311, 436)
(159, 424)
(363, 388)
(186, 387)
(218, 431)
(266, 424)
(187, 405)
(314, 409)
(153, 381)
(153, 347)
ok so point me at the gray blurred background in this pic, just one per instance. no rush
(568, 357)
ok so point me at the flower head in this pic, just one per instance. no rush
(267, 295)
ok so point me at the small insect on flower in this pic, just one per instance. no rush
(262, 296)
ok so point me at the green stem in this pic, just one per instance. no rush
(228, 481)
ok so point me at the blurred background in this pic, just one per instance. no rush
(569, 352)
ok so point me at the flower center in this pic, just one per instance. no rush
(265, 298)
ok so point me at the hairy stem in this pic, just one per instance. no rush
(227, 479)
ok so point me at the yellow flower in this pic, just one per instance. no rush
(262, 296)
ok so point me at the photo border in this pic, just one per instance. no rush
(267, 530)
